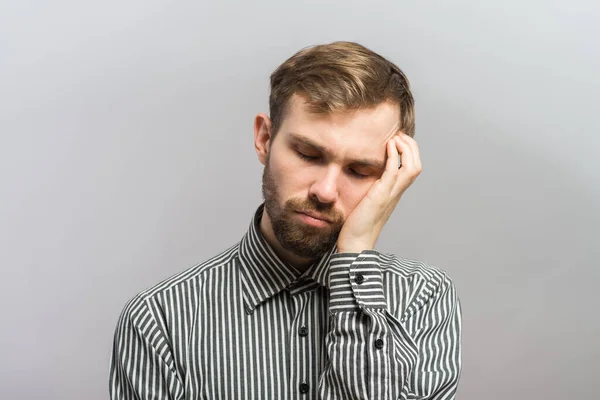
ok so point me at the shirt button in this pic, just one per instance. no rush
(379, 343)
(359, 278)
(303, 331)
(304, 387)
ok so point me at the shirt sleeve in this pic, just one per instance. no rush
(437, 335)
(374, 356)
(141, 366)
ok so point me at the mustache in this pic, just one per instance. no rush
(326, 210)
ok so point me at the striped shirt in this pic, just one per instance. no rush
(246, 325)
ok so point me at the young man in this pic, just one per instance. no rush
(304, 307)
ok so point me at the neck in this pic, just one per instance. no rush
(266, 229)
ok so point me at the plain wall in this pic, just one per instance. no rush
(126, 156)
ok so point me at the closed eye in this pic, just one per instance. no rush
(307, 157)
(358, 175)
(352, 171)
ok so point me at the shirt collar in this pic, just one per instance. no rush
(263, 274)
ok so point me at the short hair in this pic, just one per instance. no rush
(337, 77)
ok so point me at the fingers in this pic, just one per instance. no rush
(411, 162)
(415, 149)
(395, 150)
(411, 157)
(401, 148)
(392, 158)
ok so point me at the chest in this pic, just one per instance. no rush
(277, 350)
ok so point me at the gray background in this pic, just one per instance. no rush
(126, 156)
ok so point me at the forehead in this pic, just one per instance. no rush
(354, 133)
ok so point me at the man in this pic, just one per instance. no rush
(304, 307)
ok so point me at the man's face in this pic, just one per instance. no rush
(323, 165)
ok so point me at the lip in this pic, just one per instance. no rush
(316, 216)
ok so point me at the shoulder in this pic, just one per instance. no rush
(185, 280)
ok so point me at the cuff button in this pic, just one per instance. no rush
(359, 278)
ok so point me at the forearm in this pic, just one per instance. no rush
(357, 342)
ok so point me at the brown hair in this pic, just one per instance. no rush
(337, 77)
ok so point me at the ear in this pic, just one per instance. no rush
(262, 137)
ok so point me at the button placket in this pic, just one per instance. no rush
(301, 345)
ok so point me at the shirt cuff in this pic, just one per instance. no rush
(356, 281)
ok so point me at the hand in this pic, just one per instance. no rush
(364, 224)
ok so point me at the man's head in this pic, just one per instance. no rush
(333, 108)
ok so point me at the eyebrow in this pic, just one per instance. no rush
(362, 162)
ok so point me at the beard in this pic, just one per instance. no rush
(295, 236)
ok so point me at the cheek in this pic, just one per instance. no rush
(288, 176)
(294, 173)
(351, 195)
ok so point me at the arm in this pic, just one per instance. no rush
(142, 364)
(359, 336)
(373, 355)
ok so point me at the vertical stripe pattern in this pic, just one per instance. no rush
(246, 325)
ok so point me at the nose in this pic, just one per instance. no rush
(324, 188)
